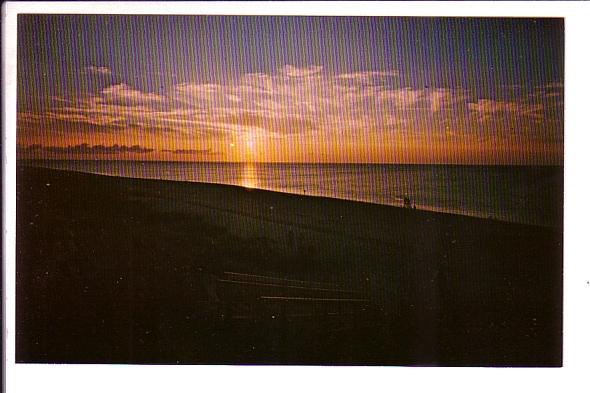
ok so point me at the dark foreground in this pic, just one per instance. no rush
(113, 270)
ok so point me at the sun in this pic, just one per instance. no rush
(250, 144)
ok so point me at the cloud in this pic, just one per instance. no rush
(368, 77)
(28, 149)
(187, 151)
(83, 149)
(294, 100)
(402, 97)
(116, 106)
(30, 117)
(206, 95)
(124, 95)
(98, 119)
(293, 103)
(439, 98)
(207, 89)
(193, 152)
(487, 107)
(97, 70)
(554, 85)
(263, 82)
(295, 72)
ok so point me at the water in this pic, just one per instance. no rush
(523, 194)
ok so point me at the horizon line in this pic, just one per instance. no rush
(293, 163)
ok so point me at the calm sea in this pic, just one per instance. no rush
(524, 194)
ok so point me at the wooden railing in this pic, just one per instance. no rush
(247, 296)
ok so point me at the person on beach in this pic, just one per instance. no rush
(407, 202)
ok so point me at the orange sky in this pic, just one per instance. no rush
(291, 89)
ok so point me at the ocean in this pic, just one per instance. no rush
(521, 194)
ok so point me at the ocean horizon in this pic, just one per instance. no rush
(527, 194)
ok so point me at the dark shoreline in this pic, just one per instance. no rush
(451, 290)
(557, 227)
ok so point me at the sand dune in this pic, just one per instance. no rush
(454, 290)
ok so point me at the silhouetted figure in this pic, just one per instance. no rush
(407, 202)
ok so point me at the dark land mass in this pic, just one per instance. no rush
(114, 270)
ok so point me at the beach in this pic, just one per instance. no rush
(111, 270)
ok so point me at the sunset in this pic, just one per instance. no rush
(291, 89)
(289, 190)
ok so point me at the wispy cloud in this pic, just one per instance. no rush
(97, 70)
(295, 72)
(124, 95)
(307, 102)
(368, 77)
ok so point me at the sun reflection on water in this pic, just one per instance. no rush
(249, 176)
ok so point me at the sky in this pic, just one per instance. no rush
(291, 89)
